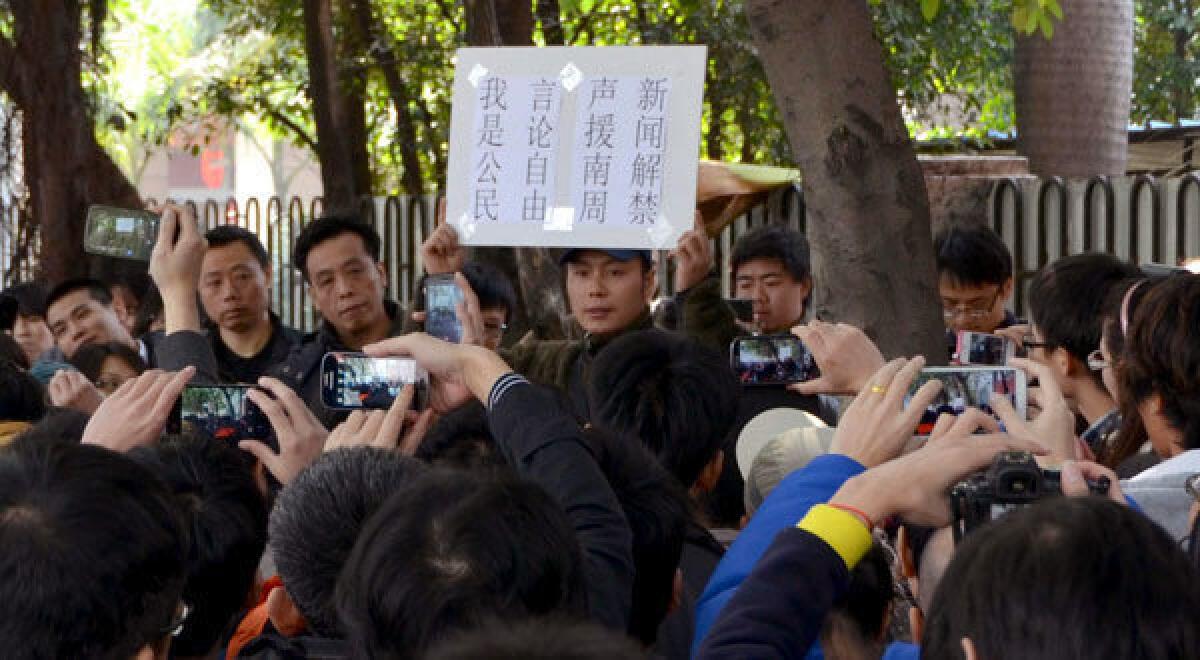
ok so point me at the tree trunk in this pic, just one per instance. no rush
(534, 271)
(379, 44)
(868, 212)
(1073, 91)
(337, 112)
(549, 14)
(66, 168)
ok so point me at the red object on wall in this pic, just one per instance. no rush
(212, 168)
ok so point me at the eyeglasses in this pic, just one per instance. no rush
(971, 313)
(1096, 361)
(495, 331)
(1029, 341)
(1192, 486)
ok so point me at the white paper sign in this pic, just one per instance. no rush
(575, 147)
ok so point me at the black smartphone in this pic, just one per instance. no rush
(743, 309)
(121, 233)
(442, 296)
(355, 381)
(772, 360)
(222, 412)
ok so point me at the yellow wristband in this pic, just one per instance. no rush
(842, 530)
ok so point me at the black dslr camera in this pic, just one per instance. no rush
(1013, 481)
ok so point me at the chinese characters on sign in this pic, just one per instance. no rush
(513, 149)
(620, 147)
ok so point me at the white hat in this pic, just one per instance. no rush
(768, 424)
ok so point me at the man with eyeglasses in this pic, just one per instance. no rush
(975, 279)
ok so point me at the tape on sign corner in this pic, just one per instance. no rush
(561, 218)
(570, 76)
(466, 226)
(478, 72)
(661, 233)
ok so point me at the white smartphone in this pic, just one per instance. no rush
(979, 348)
(974, 387)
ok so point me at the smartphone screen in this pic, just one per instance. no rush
(354, 381)
(964, 387)
(983, 349)
(222, 412)
(121, 233)
(774, 360)
(442, 296)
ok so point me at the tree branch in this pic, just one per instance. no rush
(8, 76)
(293, 127)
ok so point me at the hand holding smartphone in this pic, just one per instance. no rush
(120, 233)
(442, 296)
(969, 387)
(772, 360)
(356, 381)
(222, 412)
(978, 348)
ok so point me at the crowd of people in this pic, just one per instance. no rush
(615, 495)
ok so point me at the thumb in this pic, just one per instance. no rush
(698, 222)
(439, 217)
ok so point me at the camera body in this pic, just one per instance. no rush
(1013, 481)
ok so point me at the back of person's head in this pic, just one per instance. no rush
(89, 358)
(93, 553)
(462, 438)
(537, 639)
(656, 508)
(451, 550)
(318, 516)
(329, 226)
(62, 425)
(22, 398)
(1161, 357)
(1067, 578)
(96, 290)
(856, 624)
(1067, 301)
(787, 245)
(676, 396)
(781, 456)
(491, 286)
(223, 235)
(30, 297)
(11, 353)
(150, 313)
(972, 255)
(216, 487)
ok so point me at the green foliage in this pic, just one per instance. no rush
(1167, 65)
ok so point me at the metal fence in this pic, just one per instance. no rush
(1139, 218)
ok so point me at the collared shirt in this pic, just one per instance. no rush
(233, 368)
(1096, 435)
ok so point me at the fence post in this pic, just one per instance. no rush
(1110, 211)
(1057, 184)
(1190, 180)
(1135, 194)
(1020, 272)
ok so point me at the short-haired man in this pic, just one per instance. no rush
(975, 278)
(608, 292)
(80, 311)
(93, 555)
(235, 284)
(28, 326)
(1066, 303)
(338, 256)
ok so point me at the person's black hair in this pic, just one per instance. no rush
(30, 297)
(462, 438)
(787, 245)
(96, 289)
(93, 552)
(867, 600)
(451, 550)
(61, 425)
(972, 255)
(228, 518)
(1067, 578)
(11, 352)
(223, 235)
(675, 395)
(150, 310)
(22, 397)
(491, 286)
(656, 508)
(89, 358)
(1067, 299)
(318, 516)
(329, 226)
(553, 638)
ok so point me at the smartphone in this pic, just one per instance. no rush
(964, 387)
(978, 348)
(772, 360)
(355, 381)
(743, 309)
(442, 296)
(222, 412)
(121, 233)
